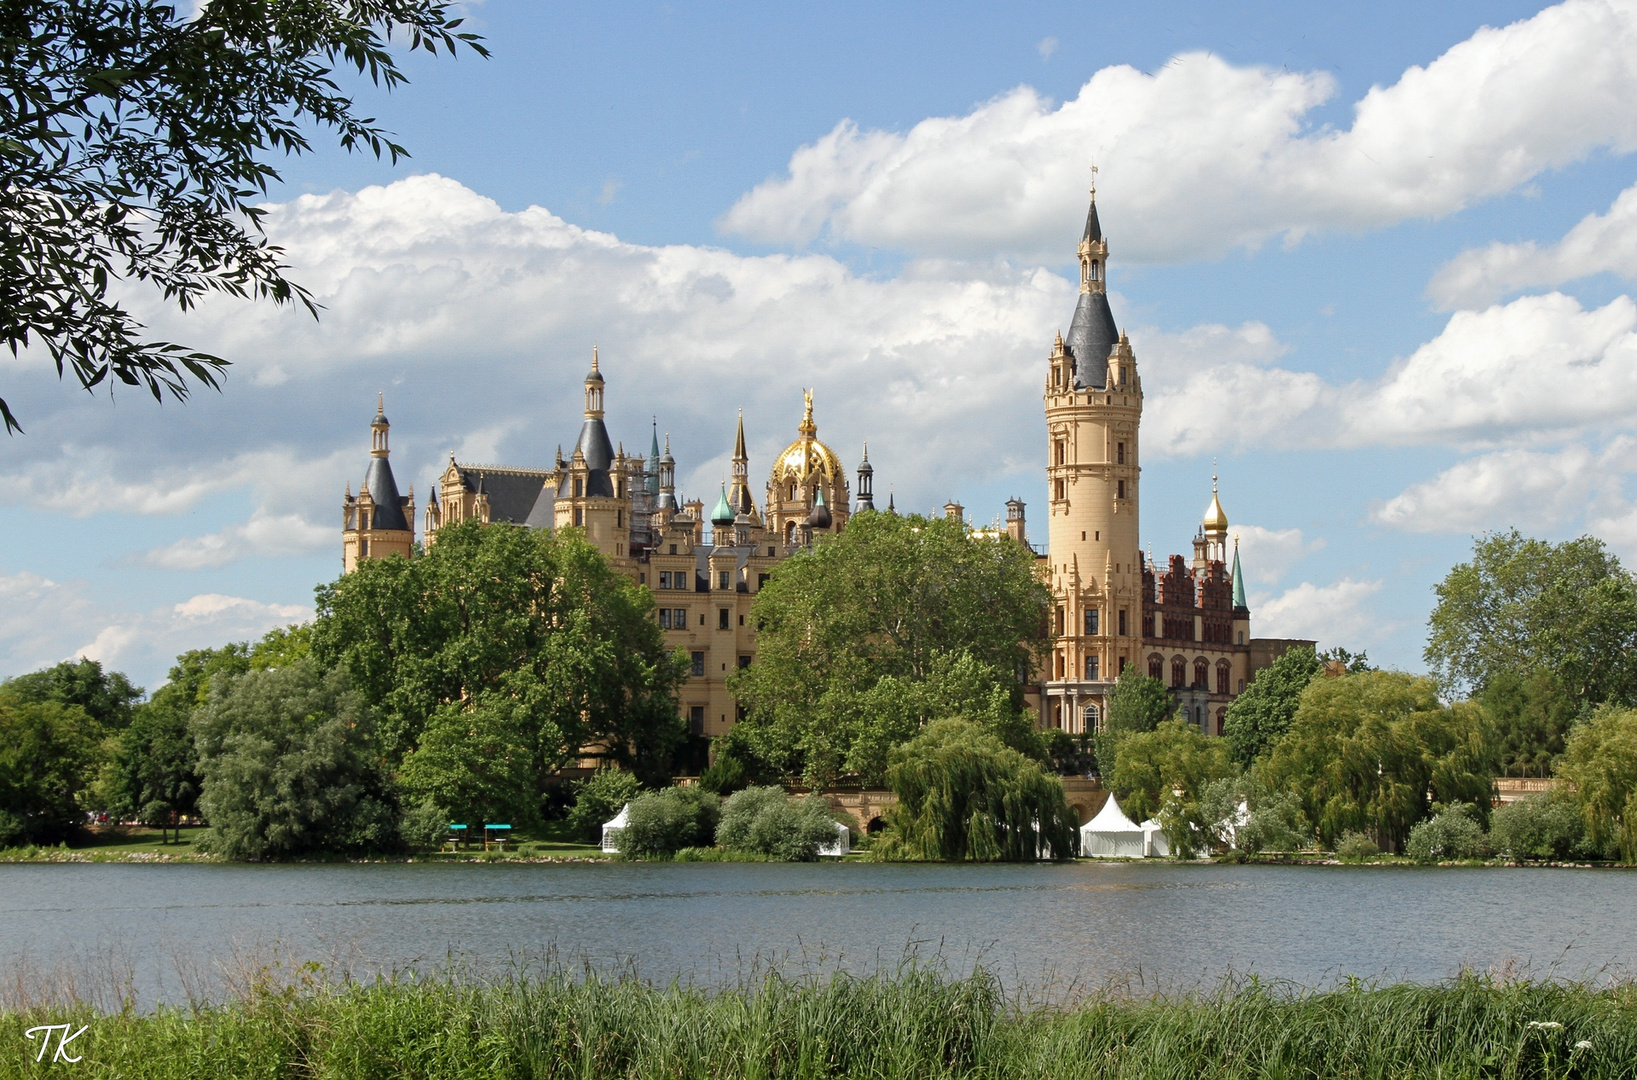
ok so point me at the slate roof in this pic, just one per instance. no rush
(389, 505)
(1092, 336)
(599, 456)
(519, 496)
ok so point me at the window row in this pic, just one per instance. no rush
(1202, 673)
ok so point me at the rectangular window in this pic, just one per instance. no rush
(579, 488)
(579, 517)
(696, 718)
(673, 549)
(1059, 630)
(699, 669)
(722, 618)
(1120, 490)
(744, 662)
(1091, 621)
(1122, 622)
(1060, 490)
(664, 618)
(761, 579)
(665, 579)
(679, 618)
(722, 579)
(619, 519)
(1119, 453)
(1091, 667)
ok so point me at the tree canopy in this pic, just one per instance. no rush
(106, 696)
(511, 637)
(1600, 761)
(872, 633)
(48, 756)
(965, 795)
(1162, 773)
(1371, 752)
(1259, 717)
(136, 143)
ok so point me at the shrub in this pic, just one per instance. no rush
(597, 799)
(289, 767)
(661, 823)
(763, 821)
(1537, 827)
(1356, 847)
(1448, 834)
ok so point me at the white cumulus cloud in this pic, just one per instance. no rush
(263, 536)
(1203, 156)
(1336, 614)
(1600, 243)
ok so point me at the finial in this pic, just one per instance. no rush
(593, 357)
(1213, 476)
(380, 403)
(667, 442)
(866, 449)
(1094, 181)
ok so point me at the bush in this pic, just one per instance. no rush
(763, 821)
(597, 799)
(289, 767)
(1356, 847)
(1448, 834)
(661, 823)
(425, 826)
(1537, 827)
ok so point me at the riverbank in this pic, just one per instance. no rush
(906, 1023)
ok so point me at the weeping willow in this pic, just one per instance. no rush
(965, 795)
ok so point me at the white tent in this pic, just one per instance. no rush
(612, 830)
(841, 845)
(1113, 835)
(1153, 838)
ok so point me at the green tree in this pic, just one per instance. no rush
(289, 766)
(49, 756)
(1260, 716)
(965, 795)
(154, 773)
(1449, 834)
(106, 696)
(1600, 761)
(503, 618)
(137, 142)
(1163, 773)
(1525, 606)
(598, 798)
(1532, 717)
(476, 763)
(1137, 704)
(1542, 826)
(763, 821)
(892, 597)
(661, 823)
(1372, 752)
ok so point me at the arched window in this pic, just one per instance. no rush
(1221, 718)
(1156, 667)
(1090, 716)
(1202, 674)
(1224, 677)
(1179, 671)
(792, 492)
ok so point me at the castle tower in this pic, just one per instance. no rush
(586, 496)
(667, 479)
(1093, 404)
(866, 482)
(739, 493)
(378, 522)
(1014, 521)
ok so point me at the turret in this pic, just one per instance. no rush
(866, 482)
(379, 522)
(1014, 521)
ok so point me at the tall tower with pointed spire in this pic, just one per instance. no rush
(587, 494)
(1093, 403)
(739, 494)
(377, 522)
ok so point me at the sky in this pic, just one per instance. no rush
(1376, 263)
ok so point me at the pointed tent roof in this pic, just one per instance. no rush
(1110, 819)
(1238, 579)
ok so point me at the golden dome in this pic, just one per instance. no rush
(1216, 519)
(806, 457)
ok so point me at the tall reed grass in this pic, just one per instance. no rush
(913, 1022)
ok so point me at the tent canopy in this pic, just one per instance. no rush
(612, 829)
(1111, 834)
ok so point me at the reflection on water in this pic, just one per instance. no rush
(1084, 925)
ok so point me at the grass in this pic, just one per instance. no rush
(913, 1022)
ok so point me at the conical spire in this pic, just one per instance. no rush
(739, 495)
(1238, 578)
(739, 439)
(1094, 228)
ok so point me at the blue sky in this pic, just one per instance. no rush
(1375, 260)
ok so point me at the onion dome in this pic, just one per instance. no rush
(723, 514)
(819, 516)
(806, 458)
(1216, 519)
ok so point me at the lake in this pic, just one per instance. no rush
(1084, 925)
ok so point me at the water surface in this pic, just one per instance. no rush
(1082, 925)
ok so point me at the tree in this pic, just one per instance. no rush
(476, 763)
(1449, 834)
(763, 821)
(1600, 761)
(965, 795)
(1260, 716)
(1532, 716)
(1373, 751)
(1138, 703)
(535, 625)
(106, 696)
(154, 774)
(1162, 773)
(289, 766)
(48, 756)
(1541, 826)
(1525, 606)
(136, 145)
(901, 598)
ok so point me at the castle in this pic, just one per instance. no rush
(1186, 623)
